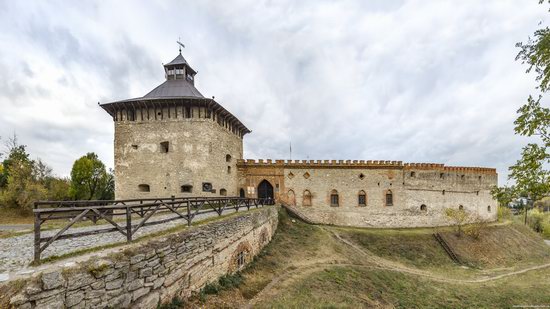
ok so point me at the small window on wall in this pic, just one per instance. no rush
(229, 169)
(489, 208)
(460, 207)
(423, 207)
(228, 158)
(207, 187)
(389, 198)
(362, 198)
(241, 259)
(144, 188)
(164, 147)
(413, 174)
(334, 198)
(306, 199)
(223, 192)
(186, 188)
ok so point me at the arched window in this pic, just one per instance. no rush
(389, 198)
(334, 198)
(227, 158)
(413, 174)
(223, 192)
(186, 188)
(144, 188)
(291, 197)
(489, 208)
(362, 198)
(241, 193)
(306, 198)
(423, 207)
(460, 207)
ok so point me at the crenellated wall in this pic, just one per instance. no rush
(147, 273)
(420, 191)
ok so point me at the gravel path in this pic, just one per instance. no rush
(17, 252)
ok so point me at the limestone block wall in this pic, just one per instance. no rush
(146, 274)
(199, 151)
(420, 192)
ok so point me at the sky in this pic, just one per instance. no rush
(410, 80)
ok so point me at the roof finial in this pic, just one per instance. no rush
(180, 44)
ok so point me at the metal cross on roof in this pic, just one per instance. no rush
(180, 44)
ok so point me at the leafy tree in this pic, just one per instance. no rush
(504, 195)
(530, 173)
(89, 179)
(22, 190)
(458, 217)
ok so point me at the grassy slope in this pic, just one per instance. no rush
(297, 244)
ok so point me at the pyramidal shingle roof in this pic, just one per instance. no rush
(178, 60)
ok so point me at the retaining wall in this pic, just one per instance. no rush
(148, 273)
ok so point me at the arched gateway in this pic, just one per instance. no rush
(265, 190)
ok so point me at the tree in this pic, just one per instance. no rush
(530, 173)
(89, 179)
(22, 190)
(504, 195)
(458, 217)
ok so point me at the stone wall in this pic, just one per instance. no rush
(420, 192)
(148, 273)
(199, 150)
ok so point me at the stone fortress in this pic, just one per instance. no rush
(175, 142)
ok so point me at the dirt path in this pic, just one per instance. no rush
(296, 272)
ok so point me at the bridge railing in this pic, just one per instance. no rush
(119, 214)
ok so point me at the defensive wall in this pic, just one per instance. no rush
(385, 194)
(145, 274)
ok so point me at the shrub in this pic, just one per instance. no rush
(504, 213)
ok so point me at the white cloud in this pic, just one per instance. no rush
(417, 81)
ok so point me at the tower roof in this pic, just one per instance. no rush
(178, 60)
(175, 88)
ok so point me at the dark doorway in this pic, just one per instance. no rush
(265, 190)
(241, 192)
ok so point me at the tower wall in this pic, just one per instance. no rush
(197, 153)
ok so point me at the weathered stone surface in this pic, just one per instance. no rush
(78, 280)
(140, 292)
(52, 280)
(137, 258)
(115, 284)
(120, 289)
(150, 300)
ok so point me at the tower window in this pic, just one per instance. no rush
(489, 208)
(306, 201)
(144, 188)
(362, 198)
(460, 207)
(186, 188)
(223, 192)
(164, 147)
(228, 158)
(413, 174)
(423, 207)
(334, 198)
(135, 146)
(441, 175)
(389, 198)
(361, 176)
(229, 169)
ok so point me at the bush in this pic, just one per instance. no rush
(504, 213)
(474, 230)
(535, 220)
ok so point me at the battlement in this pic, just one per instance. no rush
(359, 164)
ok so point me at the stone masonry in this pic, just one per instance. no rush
(146, 274)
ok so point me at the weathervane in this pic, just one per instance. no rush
(180, 44)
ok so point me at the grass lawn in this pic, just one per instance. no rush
(306, 266)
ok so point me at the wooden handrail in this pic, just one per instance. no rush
(185, 208)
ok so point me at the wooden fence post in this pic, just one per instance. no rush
(128, 224)
(188, 214)
(36, 237)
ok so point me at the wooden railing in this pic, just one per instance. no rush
(118, 214)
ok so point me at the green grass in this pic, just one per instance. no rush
(354, 287)
(349, 285)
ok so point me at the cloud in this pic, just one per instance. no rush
(411, 80)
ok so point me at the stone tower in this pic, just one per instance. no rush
(175, 142)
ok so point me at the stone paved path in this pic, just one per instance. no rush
(17, 252)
